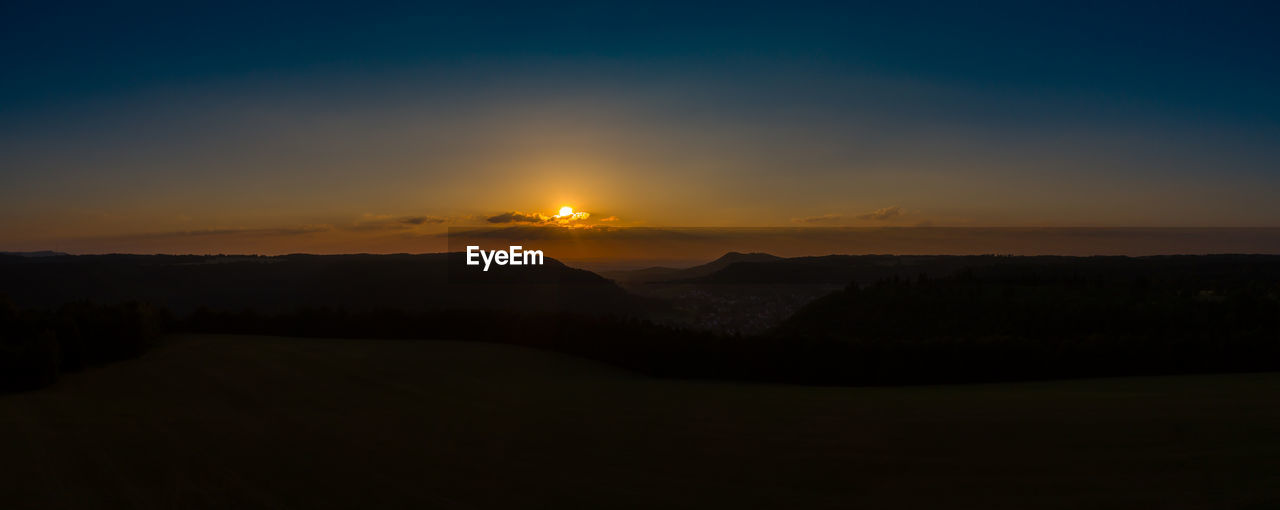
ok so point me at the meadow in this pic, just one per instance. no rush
(223, 421)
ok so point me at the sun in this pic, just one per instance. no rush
(566, 211)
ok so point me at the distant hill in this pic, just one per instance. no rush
(356, 282)
(844, 269)
(835, 269)
(663, 274)
(1043, 317)
(43, 253)
(763, 268)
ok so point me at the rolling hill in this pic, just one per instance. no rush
(212, 421)
(281, 283)
(668, 274)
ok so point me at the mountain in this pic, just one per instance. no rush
(763, 268)
(184, 283)
(864, 269)
(42, 253)
(1042, 317)
(665, 274)
(830, 269)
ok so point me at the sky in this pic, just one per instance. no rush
(271, 127)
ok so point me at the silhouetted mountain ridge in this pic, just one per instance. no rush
(41, 253)
(833, 269)
(665, 274)
(1042, 317)
(273, 283)
(843, 269)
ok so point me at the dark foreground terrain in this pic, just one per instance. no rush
(263, 422)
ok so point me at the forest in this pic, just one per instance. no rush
(974, 319)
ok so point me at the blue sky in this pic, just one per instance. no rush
(152, 118)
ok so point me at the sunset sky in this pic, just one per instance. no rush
(335, 128)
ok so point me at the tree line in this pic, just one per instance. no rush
(1001, 322)
(36, 346)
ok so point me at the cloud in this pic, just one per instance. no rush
(288, 231)
(884, 214)
(421, 220)
(528, 232)
(825, 219)
(379, 222)
(518, 217)
(573, 219)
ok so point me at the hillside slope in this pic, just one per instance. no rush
(666, 274)
(283, 283)
(264, 422)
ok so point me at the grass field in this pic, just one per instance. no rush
(260, 422)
